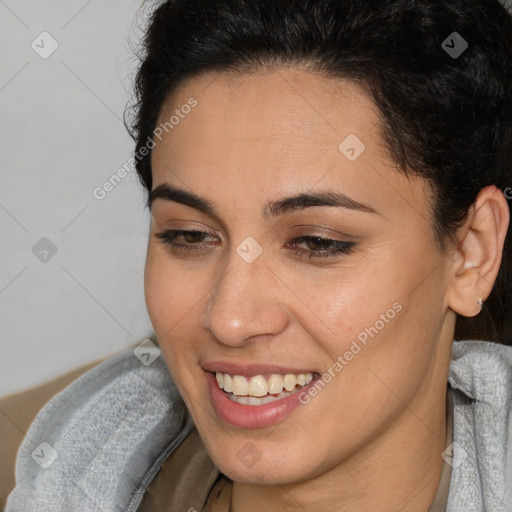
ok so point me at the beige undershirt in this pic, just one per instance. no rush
(189, 480)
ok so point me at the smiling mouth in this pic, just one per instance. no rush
(261, 389)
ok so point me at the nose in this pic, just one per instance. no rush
(247, 302)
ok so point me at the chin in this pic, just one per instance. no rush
(260, 475)
(248, 465)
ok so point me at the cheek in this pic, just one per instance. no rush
(173, 300)
(169, 294)
(382, 319)
(345, 306)
(158, 293)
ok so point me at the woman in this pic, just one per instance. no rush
(326, 274)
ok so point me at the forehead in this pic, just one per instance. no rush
(286, 116)
(274, 104)
(277, 132)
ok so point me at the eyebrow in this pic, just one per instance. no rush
(271, 209)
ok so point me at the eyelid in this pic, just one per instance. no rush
(186, 225)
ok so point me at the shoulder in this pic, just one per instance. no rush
(482, 370)
(481, 374)
(18, 410)
(100, 440)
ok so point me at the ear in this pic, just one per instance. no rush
(477, 258)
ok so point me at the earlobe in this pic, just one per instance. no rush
(477, 260)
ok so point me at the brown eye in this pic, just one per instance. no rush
(317, 247)
(192, 239)
(192, 236)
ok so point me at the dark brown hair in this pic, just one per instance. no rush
(445, 118)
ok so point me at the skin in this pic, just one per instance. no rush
(372, 438)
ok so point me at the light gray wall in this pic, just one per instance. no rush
(61, 136)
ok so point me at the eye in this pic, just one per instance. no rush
(191, 238)
(318, 247)
(314, 242)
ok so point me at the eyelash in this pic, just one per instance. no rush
(341, 247)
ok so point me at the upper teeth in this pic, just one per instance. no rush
(258, 385)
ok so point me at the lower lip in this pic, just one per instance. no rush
(252, 416)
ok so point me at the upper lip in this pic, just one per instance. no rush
(249, 370)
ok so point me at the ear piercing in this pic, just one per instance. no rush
(480, 302)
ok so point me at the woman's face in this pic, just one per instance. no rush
(256, 293)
